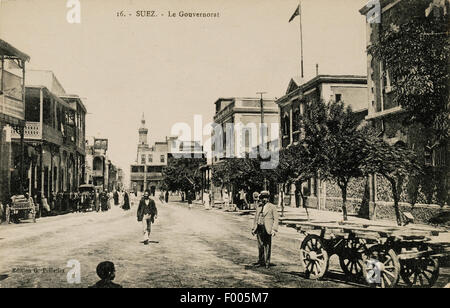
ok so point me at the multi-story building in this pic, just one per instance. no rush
(88, 165)
(120, 178)
(146, 172)
(12, 113)
(237, 132)
(100, 163)
(185, 149)
(388, 117)
(237, 126)
(352, 90)
(54, 135)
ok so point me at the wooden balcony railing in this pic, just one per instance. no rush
(32, 131)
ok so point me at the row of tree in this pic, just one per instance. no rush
(337, 146)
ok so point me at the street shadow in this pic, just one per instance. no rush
(331, 276)
(3, 277)
(253, 267)
(150, 242)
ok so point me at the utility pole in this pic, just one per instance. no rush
(262, 129)
(301, 36)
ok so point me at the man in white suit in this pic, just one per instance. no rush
(265, 226)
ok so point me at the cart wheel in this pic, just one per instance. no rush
(314, 256)
(351, 258)
(422, 272)
(381, 267)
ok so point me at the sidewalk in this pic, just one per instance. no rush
(317, 216)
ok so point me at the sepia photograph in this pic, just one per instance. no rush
(224, 150)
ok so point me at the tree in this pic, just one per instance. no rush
(183, 174)
(394, 162)
(344, 148)
(241, 173)
(305, 159)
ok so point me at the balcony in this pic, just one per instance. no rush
(97, 173)
(139, 176)
(32, 131)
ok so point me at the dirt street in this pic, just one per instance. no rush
(189, 248)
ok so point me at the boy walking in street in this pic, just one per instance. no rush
(147, 213)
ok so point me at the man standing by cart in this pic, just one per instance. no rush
(265, 226)
(147, 213)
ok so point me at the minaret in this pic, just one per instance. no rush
(143, 132)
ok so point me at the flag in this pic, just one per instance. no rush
(296, 13)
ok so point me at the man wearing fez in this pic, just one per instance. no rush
(265, 226)
(147, 213)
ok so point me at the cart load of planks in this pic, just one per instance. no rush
(376, 254)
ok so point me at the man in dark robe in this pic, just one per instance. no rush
(104, 200)
(126, 201)
(116, 198)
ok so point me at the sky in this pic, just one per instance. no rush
(171, 68)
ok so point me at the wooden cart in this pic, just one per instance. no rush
(377, 254)
(20, 204)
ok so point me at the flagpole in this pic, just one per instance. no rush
(301, 36)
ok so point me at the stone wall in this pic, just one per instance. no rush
(385, 210)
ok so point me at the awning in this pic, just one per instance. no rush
(10, 51)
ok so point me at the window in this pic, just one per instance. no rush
(247, 140)
(143, 159)
(296, 119)
(150, 158)
(162, 158)
(338, 97)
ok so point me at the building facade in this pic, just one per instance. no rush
(240, 126)
(146, 172)
(54, 137)
(352, 90)
(387, 117)
(12, 113)
(237, 126)
(100, 163)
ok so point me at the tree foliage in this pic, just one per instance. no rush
(415, 49)
(344, 148)
(183, 174)
(394, 162)
(241, 173)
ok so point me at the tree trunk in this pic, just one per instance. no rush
(344, 201)
(299, 188)
(395, 193)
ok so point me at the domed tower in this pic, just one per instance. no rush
(143, 132)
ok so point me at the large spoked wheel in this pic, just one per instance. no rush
(352, 258)
(314, 256)
(381, 267)
(420, 273)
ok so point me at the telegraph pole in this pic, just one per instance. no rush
(262, 128)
